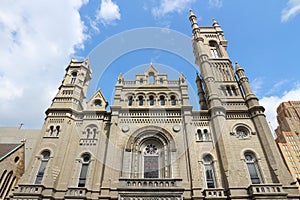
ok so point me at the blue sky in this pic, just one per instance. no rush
(39, 37)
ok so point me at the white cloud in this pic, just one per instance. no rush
(108, 12)
(271, 103)
(169, 6)
(37, 40)
(291, 10)
(215, 3)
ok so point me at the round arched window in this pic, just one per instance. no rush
(242, 132)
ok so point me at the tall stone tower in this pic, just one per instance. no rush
(152, 144)
(246, 151)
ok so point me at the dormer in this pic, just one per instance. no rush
(97, 102)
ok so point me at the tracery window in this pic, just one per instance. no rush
(242, 132)
(151, 161)
(85, 158)
(252, 166)
(209, 171)
(45, 156)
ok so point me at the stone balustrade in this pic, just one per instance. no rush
(30, 189)
(214, 193)
(265, 189)
(76, 192)
(150, 183)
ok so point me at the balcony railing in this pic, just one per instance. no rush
(76, 193)
(150, 183)
(30, 189)
(265, 189)
(214, 193)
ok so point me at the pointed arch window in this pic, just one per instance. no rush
(151, 161)
(252, 166)
(209, 171)
(85, 158)
(73, 77)
(45, 156)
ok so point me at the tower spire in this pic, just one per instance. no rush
(194, 24)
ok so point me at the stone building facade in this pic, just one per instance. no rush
(288, 136)
(152, 144)
(12, 161)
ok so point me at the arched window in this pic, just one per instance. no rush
(45, 156)
(141, 81)
(141, 100)
(98, 103)
(57, 130)
(209, 171)
(151, 78)
(130, 101)
(229, 90)
(234, 90)
(173, 100)
(151, 100)
(162, 100)
(161, 81)
(73, 77)
(214, 49)
(206, 135)
(51, 130)
(199, 134)
(2, 177)
(252, 166)
(5, 185)
(85, 159)
(151, 161)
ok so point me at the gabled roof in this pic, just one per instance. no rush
(8, 149)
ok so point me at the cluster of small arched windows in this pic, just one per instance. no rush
(152, 100)
(203, 135)
(54, 130)
(90, 132)
(229, 90)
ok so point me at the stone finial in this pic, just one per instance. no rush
(238, 67)
(215, 23)
(191, 13)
